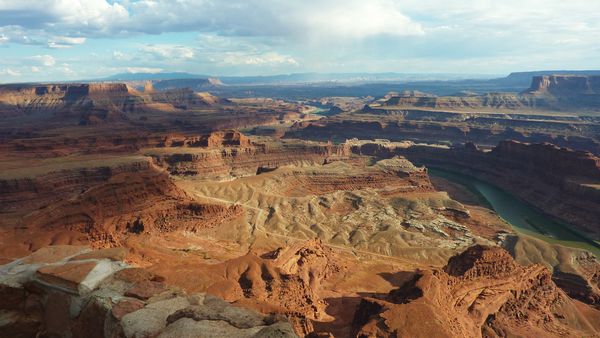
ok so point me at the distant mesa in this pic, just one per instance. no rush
(523, 79)
(93, 103)
(565, 85)
(546, 92)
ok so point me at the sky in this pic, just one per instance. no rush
(61, 40)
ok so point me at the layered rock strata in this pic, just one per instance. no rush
(242, 159)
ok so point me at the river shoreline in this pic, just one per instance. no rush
(521, 215)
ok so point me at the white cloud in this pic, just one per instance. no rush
(341, 18)
(10, 72)
(43, 60)
(120, 56)
(353, 19)
(169, 52)
(60, 14)
(270, 58)
(57, 42)
(305, 35)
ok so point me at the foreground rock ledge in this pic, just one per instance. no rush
(68, 291)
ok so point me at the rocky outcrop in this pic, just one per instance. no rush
(286, 281)
(217, 139)
(480, 293)
(67, 291)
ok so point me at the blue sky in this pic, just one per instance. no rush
(81, 39)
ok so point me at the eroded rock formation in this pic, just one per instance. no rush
(481, 292)
(286, 281)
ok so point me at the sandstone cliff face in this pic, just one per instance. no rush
(101, 100)
(447, 127)
(549, 159)
(217, 139)
(95, 103)
(490, 100)
(480, 293)
(225, 155)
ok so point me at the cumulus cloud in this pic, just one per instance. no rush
(341, 18)
(10, 72)
(58, 42)
(305, 35)
(120, 56)
(43, 60)
(168, 52)
(270, 58)
(81, 14)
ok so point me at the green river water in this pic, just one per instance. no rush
(523, 217)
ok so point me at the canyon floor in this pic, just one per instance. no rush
(263, 218)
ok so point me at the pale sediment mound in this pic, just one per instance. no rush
(480, 293)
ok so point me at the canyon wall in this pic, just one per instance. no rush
(509, 101)
(423, 128)
(548, 159)
(213, 157)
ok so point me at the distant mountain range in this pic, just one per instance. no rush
(315, 85)
(299, 78)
